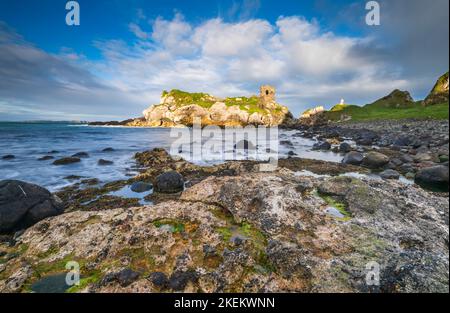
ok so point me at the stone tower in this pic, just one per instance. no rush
(267, 94)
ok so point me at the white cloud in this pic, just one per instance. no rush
(308, 66)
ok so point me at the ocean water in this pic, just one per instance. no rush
(30, 141)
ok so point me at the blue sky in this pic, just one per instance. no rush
(124, 53)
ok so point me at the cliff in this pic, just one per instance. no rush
(439, 93)
(178, 108)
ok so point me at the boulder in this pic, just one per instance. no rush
(169, 182)
(66, 161)
(8, 157)
(322, 145)
(23, 204)
(141, 187)
(375, 160)
(80, 155)
(345, 147)
(353, 158)
(390, 174)
(433, 177)
(103, 162)
(109, 149)
(46, 158)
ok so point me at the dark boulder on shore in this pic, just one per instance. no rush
(23, 205)
(345, 147)
(66, 161)
(323, 145)
(375, 160)
(390, 174)
(353, 158)
(169, 182)
(435, 177)
(140, 186)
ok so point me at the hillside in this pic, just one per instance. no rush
(439, 93)
(397, 105)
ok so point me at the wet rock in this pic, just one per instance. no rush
(81, 155)
(140, 187)
(353, 158)
(127, 277)
(109, 149)
(66, 161)
(422, 157)
(443, 158)
(244, 145)
(375, 160)
(23, 204)
(291, 153)
(390, 174)
(345, 147)
(169, 182)
(403, 141)
(8, 157)
(103, 162)
(53, 152)
(323, 145)
(46, 158)
(179, 280)
(433, 177)
(159, 279)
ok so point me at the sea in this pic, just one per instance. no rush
(29, 141)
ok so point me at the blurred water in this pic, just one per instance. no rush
(30, 141)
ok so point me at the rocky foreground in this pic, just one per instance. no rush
(233, 228)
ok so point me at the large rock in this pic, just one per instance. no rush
(290, 243)
(433, 177)
(23, 204)
(353, 158)
(389, 174)
(66, 161)
(375, 160)
(169, 182)
(322, 145)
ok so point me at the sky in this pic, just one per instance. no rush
(124, 53)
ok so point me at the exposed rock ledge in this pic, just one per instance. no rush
(251, 232)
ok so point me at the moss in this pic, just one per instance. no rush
(225, 232)
(50, 251)
(84, 282)
(187, 98)
(175, 226)
(340, 206)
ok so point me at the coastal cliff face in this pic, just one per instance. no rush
(178, 108)
(439, 94)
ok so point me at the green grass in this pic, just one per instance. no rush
(417, 111)
(248, 104)
(187, 98)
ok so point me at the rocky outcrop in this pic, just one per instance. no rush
(23, 204)
(439, 93)
(258, 232)
(182, 108)
(396, 99)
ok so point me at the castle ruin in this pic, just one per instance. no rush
(267, 96)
